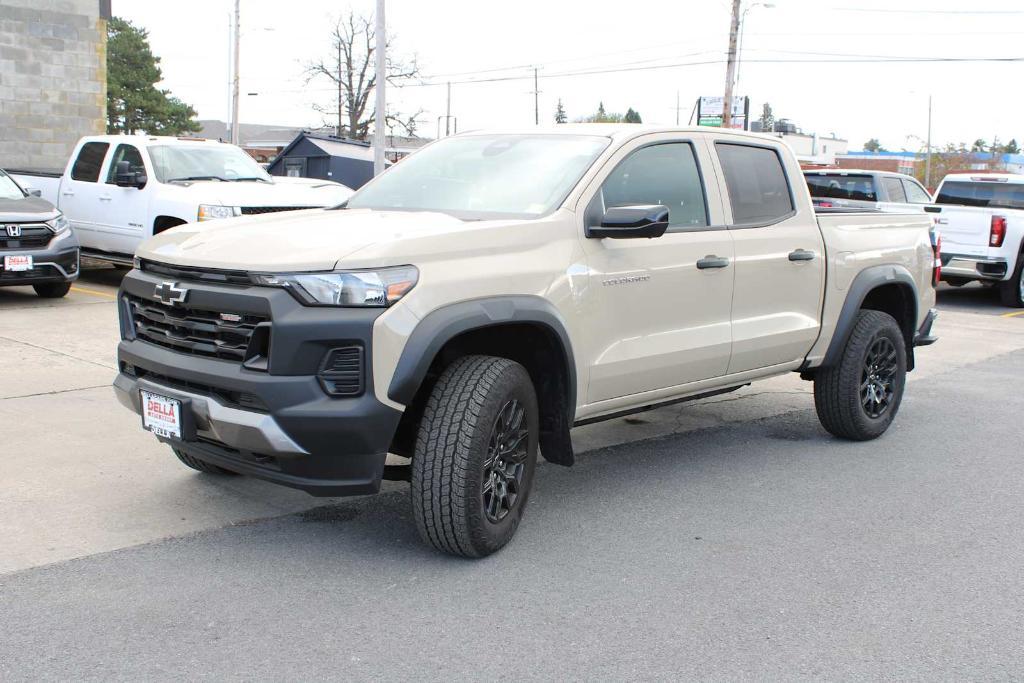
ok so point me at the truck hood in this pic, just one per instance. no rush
(254, 193)
(27, 210)
(316, 239)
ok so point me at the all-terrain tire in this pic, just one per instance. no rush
(453, 464)
(52, 290)
(1011, 292)
(839, 391)
(201, 466)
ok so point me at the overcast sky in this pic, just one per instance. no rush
(467, 40)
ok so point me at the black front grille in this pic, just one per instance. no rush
(32, 237)
(229, 277)
(251, 210)
(341, 373)
(195, 331)
(238, 399)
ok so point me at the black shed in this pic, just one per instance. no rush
(314, 155)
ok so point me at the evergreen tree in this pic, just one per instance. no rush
(560, 116)
(767, 119)
(631, 116)
(134, 103)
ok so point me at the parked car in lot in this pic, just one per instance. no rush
(37, 246)
(855, 189)
(472, 304)
(120, 190)
(981, 219)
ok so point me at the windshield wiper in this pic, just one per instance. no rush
(242, 180)
(198, 177)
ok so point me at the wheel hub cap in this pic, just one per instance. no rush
(505, 463)
(878, 378)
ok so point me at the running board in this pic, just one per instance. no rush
(109, 257)
(654, 406)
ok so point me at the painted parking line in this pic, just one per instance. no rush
(94, 292)
(1012, 315)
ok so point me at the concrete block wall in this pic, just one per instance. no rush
(53, 79)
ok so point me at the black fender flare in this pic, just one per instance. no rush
(444, 324)
(867, 280)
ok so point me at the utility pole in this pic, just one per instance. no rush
(234, 83)
(536, 99)
(928, 155)
(341, 107)
(730, 69)
(448, 112)
(380, 79)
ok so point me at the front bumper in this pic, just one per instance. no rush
(59, 261)
(278, 423)
(975, 267)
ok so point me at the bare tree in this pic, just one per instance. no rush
(351, 69)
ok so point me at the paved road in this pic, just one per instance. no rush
(729, 538)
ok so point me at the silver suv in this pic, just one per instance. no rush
(856, 189)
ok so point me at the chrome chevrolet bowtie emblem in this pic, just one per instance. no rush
(169, 293)
(13, 230)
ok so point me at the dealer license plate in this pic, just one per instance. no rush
(161, 415)
(17, 264)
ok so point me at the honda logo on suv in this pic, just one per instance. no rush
(13, 230)
(169, 293)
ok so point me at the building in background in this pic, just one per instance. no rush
(893, 162)
(53, 79)
(811, 149)
(314, 155)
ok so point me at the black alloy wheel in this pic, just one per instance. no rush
(878, 377)
(505, 463)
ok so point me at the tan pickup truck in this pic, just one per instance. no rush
(467, 308)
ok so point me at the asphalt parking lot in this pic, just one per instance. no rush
(721, 539)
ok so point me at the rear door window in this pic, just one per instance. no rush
(90, 160)
(996, 195)
(894, 189)
(842, 186)
(757, 184)
(915, 193)
(664, 174)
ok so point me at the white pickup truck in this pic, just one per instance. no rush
(981, 219)
(120, 190)
(476, 301)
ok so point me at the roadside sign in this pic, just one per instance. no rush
(711, 109)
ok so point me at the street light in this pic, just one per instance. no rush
(743, 24)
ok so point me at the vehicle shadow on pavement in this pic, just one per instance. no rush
(619, 480)
(971, 298)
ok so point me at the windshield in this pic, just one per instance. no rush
(485, 176)
(995, 195)
(839, 186)
(204, 162)
(8, 188)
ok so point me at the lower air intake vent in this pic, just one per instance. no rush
(341, 373)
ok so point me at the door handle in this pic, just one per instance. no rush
(712, 261)
(105, 198)
(801, 255)
(68, 194)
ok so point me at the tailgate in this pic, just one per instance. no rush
(964, 230)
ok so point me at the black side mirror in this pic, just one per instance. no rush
(625, 222)
(124, 176)
(35, 193)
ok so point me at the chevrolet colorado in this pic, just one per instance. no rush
(468, 307)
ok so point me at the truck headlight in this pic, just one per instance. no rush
(377, 288)
(59, 225)
(208, 212)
